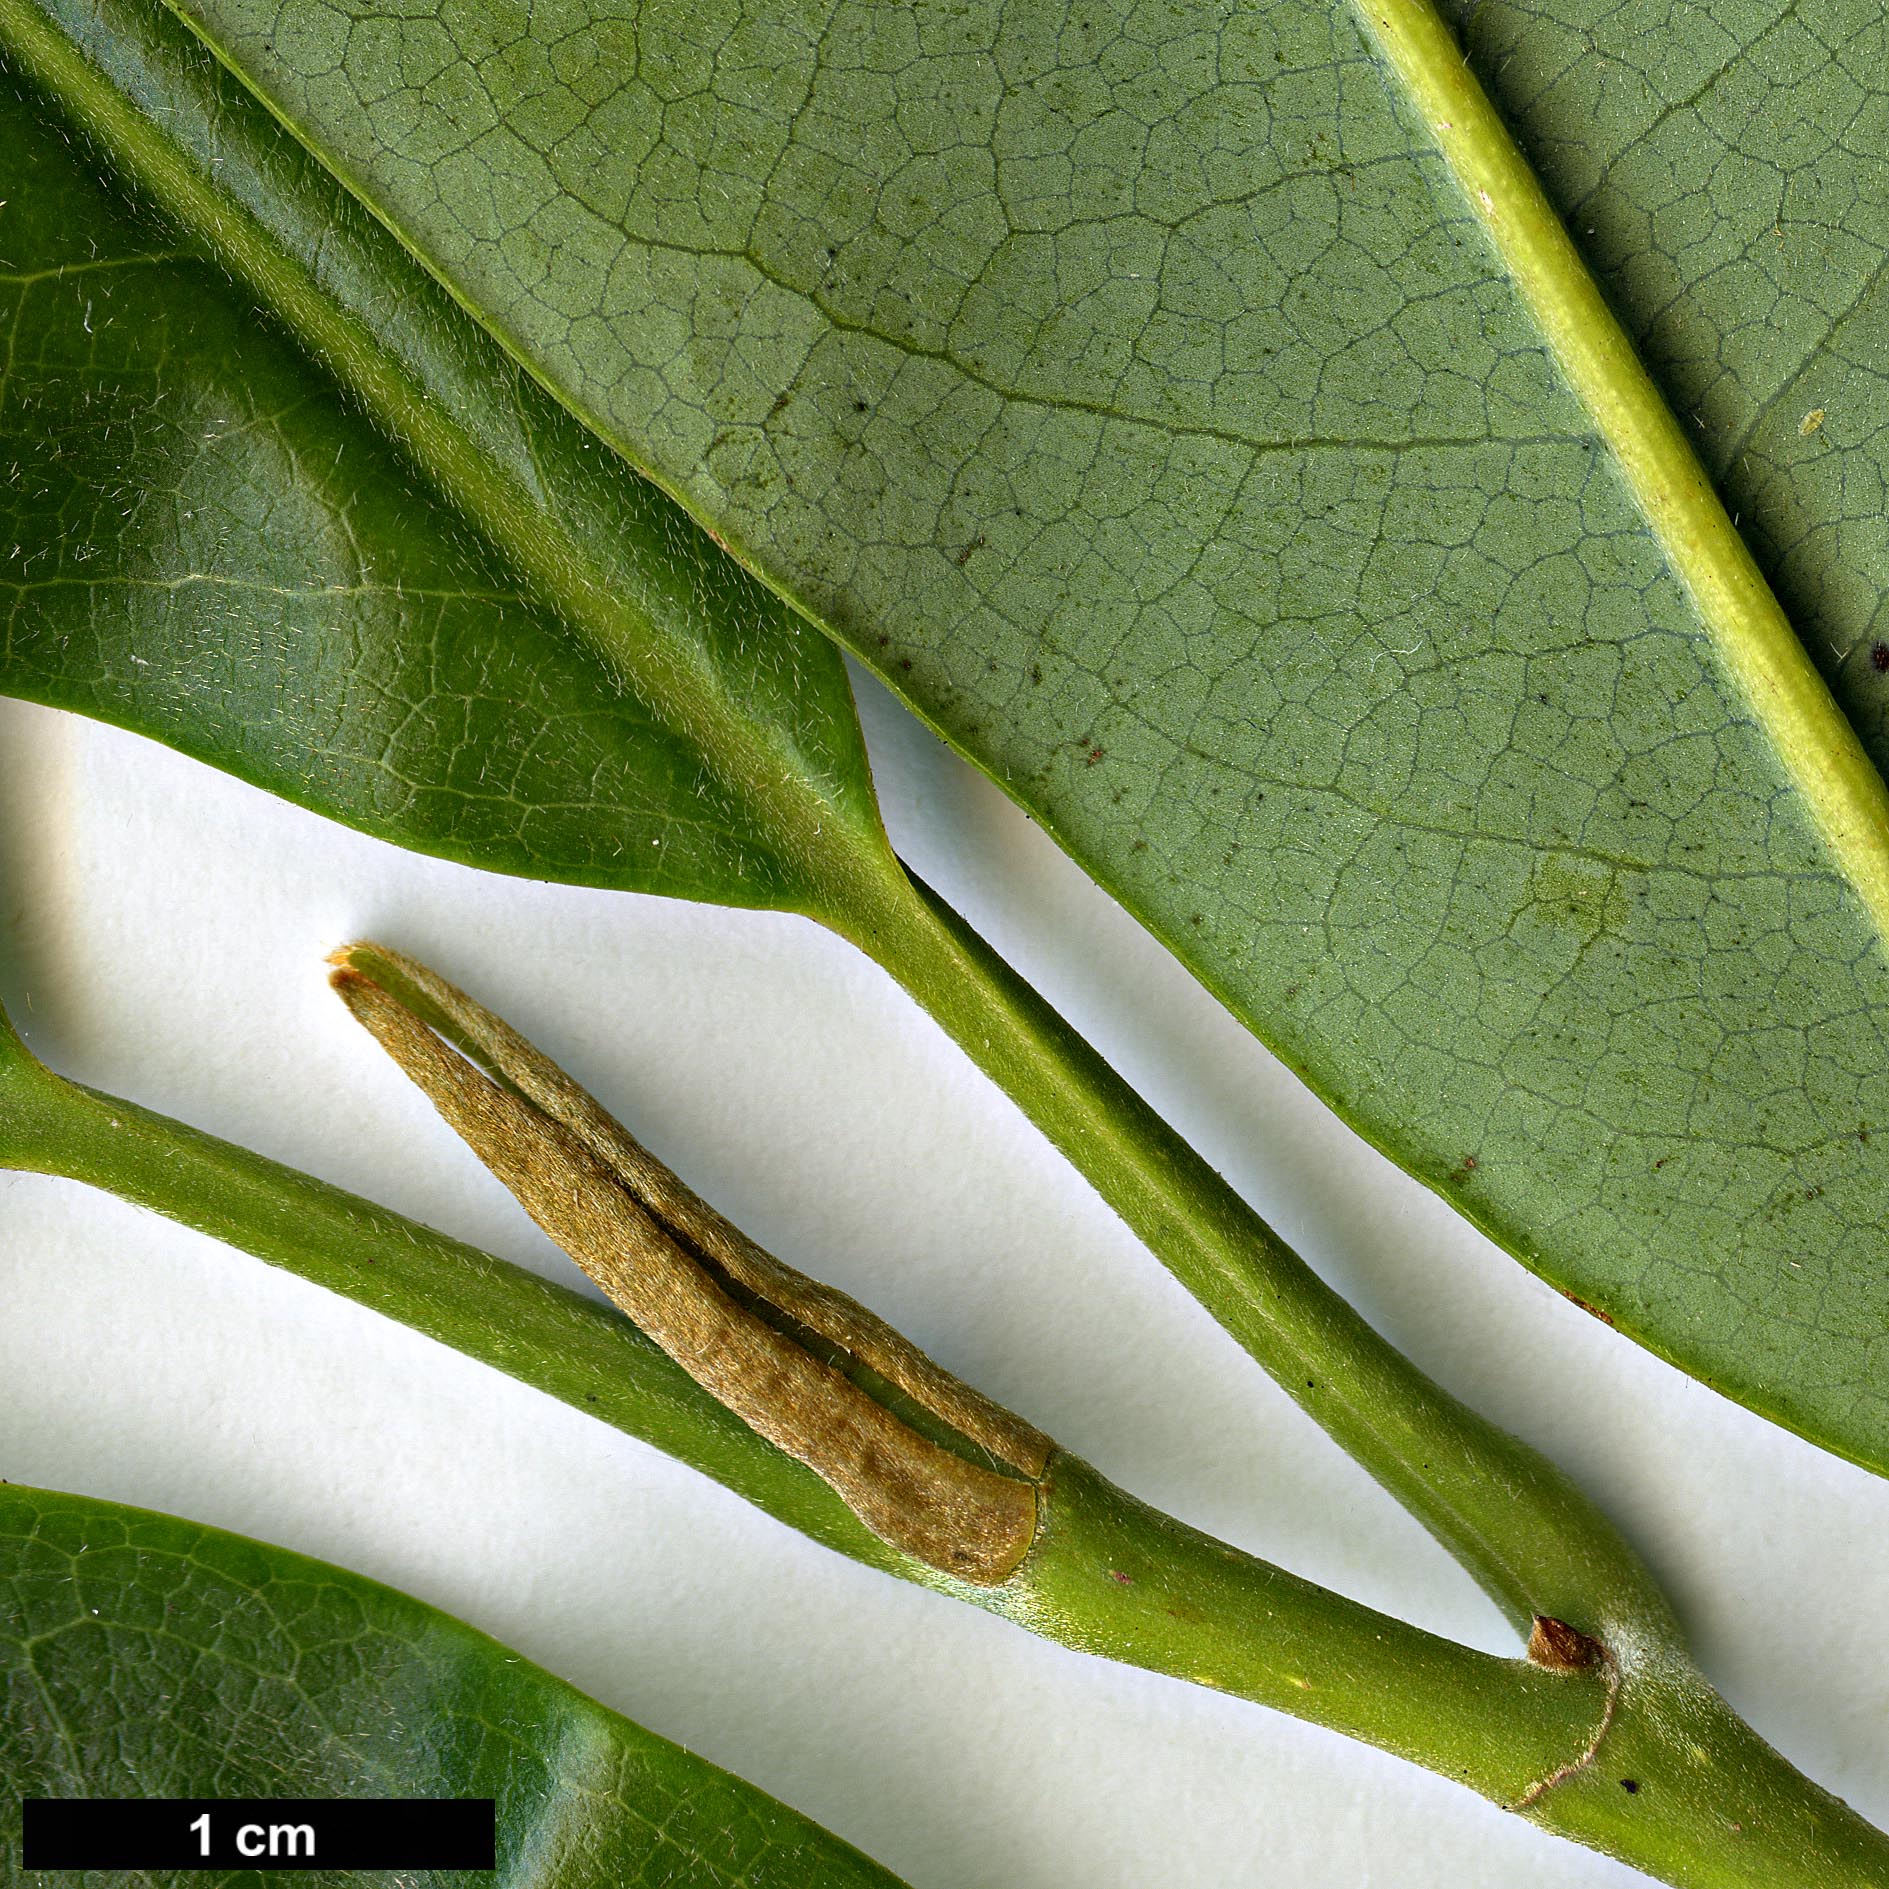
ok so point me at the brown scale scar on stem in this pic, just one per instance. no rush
(1557, 1647)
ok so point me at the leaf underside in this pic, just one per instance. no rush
(143, 1656)
(1729, 179)
(1134, 392)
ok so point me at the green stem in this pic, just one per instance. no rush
(544, 1334)
(1532, 1539)
(1113, 1576)
(1662, 1774)
(1107, 1574)
(1715, 1808)
(1684, 1789)
(309, 254)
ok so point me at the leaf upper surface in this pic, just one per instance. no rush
(143, 1656)
(208, 543)
(1132, 388)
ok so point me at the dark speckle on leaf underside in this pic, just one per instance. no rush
(1223, 554)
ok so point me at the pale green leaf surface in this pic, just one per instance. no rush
(1130, 385)
(1727, 171)
(204, 543)
(143, 1656)
(728, 706)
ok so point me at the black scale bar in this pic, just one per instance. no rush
(258, 1833)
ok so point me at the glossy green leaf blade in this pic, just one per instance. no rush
(207, 544)
(156, 116)
(1727, 180)
(143, 1656)
(1137, 394)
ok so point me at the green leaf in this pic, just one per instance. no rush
(163, 119)
(143, 1656)
(543, 668)
(1138, 393)
(1728, 186)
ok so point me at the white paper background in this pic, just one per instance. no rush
(161, 934)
